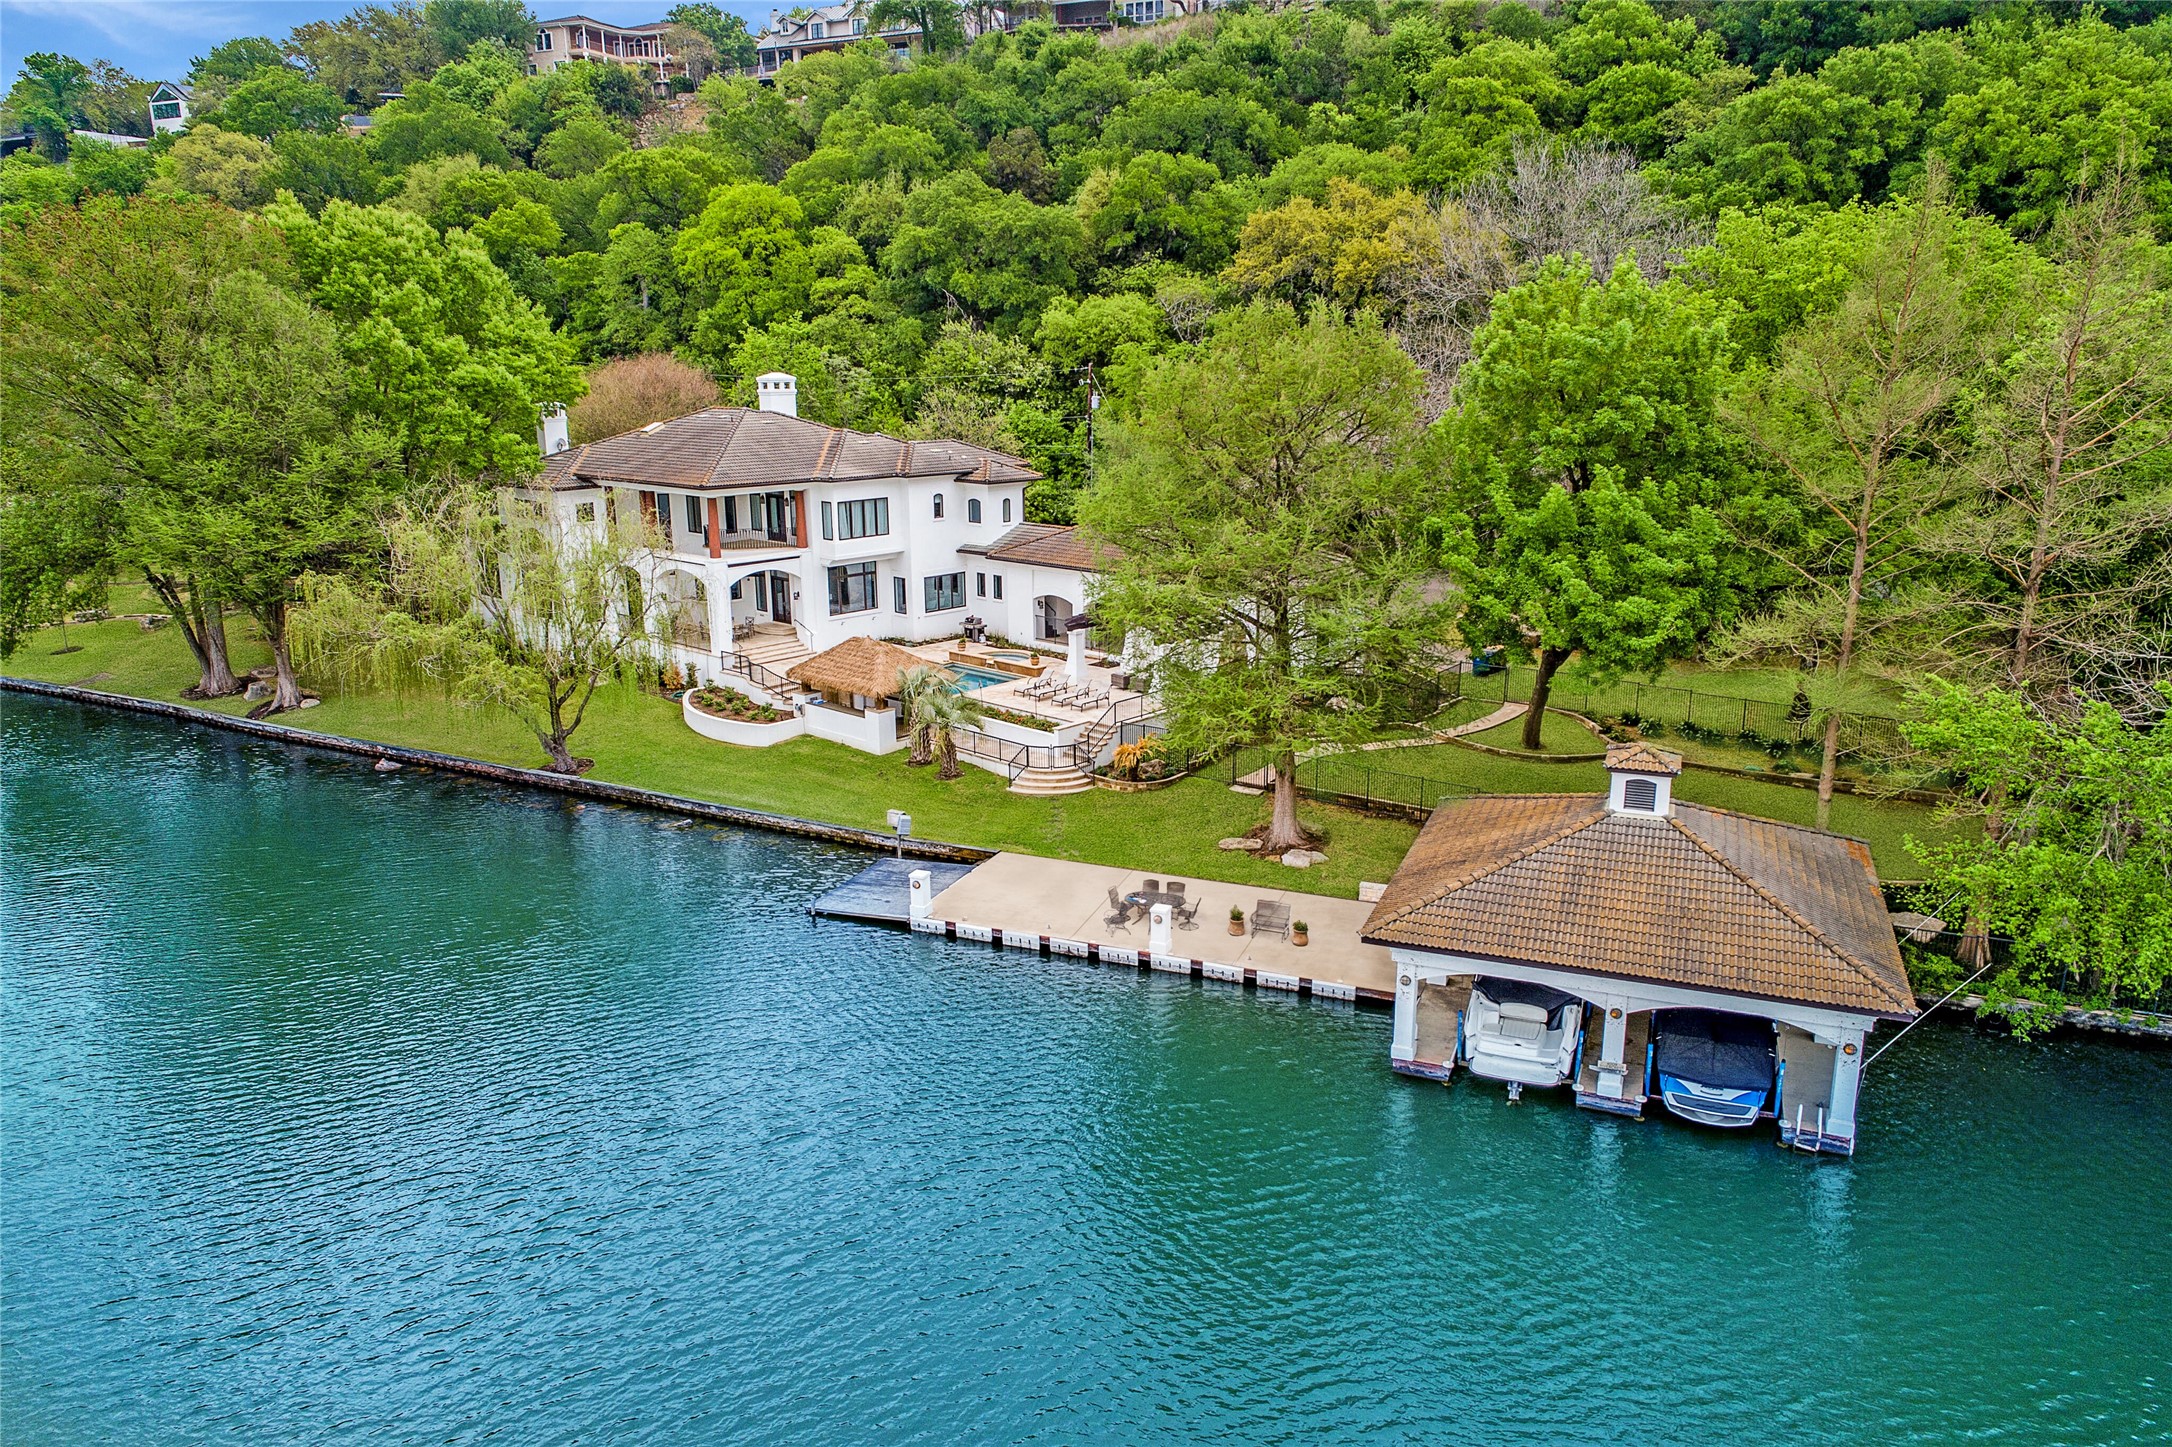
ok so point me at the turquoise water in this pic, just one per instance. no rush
(972, 679)
(342, 1108)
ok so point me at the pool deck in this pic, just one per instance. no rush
(1027, 902)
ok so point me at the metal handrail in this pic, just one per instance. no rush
(762, 673)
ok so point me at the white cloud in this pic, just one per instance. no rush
(124, 21)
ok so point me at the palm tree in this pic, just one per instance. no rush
(916, 688)
(942, 715)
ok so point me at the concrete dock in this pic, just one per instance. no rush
(1030, 902)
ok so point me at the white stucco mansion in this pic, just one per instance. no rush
(782, 537)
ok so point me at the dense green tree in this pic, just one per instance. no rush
(1852, 414)
(584, 144)
(441, 351)
(747, 252)
(1266, 520)
(230, 63)
(728, 33)
(224, 165)
(110, 307)
(2074, 864)
(317, 168)
(107, 170)
(276, 100)
(1160, 205)
(427, 123)
(999, 257)
(370, 50)
(2065, 105)
(453, 28)
(1587, 459)
(2069, 472)
(47, 100)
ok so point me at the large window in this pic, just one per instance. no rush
(867, 518)
(852, 588)
(693, 513)
(944, 591)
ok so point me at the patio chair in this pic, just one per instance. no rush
(1120, 919)
(1151, 886)
(1176, 887)
(1186, 917)
(1269, 918)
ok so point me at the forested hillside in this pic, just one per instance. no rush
(956, 244)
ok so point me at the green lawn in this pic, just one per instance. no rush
(1557, 735)
(638, 739)
(641, 740)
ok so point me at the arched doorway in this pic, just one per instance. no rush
(685, 599)
(1050, 613)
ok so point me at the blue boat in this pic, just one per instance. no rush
(1714, 1068)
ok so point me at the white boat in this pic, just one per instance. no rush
(1521, 1033)
(1714, 1068)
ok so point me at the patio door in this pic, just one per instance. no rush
(780, 597)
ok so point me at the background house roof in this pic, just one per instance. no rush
(723, 447)
(1704, 898)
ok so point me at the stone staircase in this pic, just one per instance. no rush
(774, 645)
(1049, 782)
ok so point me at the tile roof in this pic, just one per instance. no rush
(1638, 757)
(739, 447)
(1047, 546)
(1704, 898)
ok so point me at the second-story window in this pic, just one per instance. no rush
(938, 504)
(542, 40)
(818, 30)
(865, 518)
(693, 514)
(972, 509)
(1006, 509)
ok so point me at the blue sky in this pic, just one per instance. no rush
(156, 38)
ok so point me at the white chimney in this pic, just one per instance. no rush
(550, 433)
(1640, 779)
(777, 392)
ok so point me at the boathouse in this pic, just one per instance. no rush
(1643, 910)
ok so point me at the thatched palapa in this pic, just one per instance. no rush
(864, 666)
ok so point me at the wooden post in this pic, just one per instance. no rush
(799, 516)
(716, 529)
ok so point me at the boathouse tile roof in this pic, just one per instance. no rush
(729, 447)
(1704, 898)
(1638, 757)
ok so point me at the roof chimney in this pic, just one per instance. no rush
(1640, 779)
(550, 432)
(777, 392)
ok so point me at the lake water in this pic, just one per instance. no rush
(342, 1108)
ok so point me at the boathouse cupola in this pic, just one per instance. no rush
(777, 392)
(1640, 779)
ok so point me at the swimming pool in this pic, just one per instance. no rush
(971, 679)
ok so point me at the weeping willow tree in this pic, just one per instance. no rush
(513, 612)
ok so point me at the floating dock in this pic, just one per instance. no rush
(882, 892)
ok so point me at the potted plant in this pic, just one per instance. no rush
(1236, 919)
(1298, 935)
